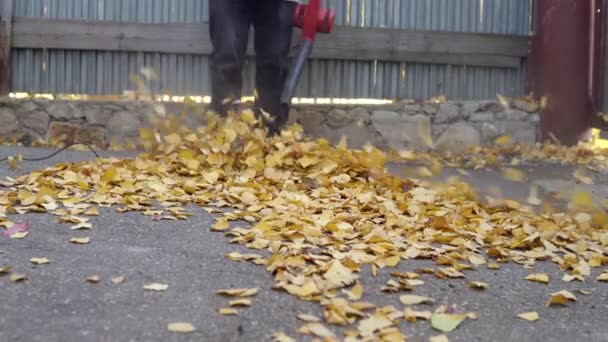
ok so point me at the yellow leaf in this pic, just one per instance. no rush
(308, 318)
(92, 211)
(514, 175)
(82, 225)
(603, 277)
(529, 316)
(240, 302)
(561, 298)
(80, 240)
(238, 292)
(355, 293)
(281, 337)
(19, 235)
(446, 322)
(503, 140)
(582, 200)
(538, 277)
(373, 323)
(439, 338)
(476, 259)
(16, 277)
(220, 225)
(5, 269)
(316, 329)
(156, 287)
(307, 161)
(211, 177)
(228, 311)
(118, 280)
(94, 279)
(109, 175)
(582, 177)
(415, 300)
(478, 285)
(181, 327)
(40, 261)
(338, 275)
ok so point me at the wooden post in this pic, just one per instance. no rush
(6, 28)
(560, 69)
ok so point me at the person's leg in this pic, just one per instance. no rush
(229, 24)
(273, 25)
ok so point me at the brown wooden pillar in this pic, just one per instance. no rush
(6, 28)
(561, 68)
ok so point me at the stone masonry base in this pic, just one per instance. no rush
(451, 125)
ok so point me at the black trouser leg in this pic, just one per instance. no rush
(229, 25)
(273, 25)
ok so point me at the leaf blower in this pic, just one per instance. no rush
(312, 19)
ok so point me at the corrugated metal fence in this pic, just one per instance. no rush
(92, 72)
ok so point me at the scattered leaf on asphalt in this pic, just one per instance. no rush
(40, 261)
(514, 175)
(308, 318)
(538, 277)
(238, 292)
(282, 337)
(80, 240)
(228, 311)
(15, 228)
(181, 327)
(529, 316)
(439, 338)
(94, 279)
(156, 287)
(415, 300)
(93, 211)
(315, 329)
(583, 177)
(355, 293)
(476, 259)
(561, 298)
(82, 225)
(220, 225)
(413, 316)
(240, 302)
(118, 280)
(478, 285)
(16, 277)
(19, 235)
(5, 269)
(446, 322)
(602, 277)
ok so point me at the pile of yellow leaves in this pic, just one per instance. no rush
(321, 212)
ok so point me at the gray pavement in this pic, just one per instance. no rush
(57, 304)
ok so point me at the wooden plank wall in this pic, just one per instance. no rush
(345, 43)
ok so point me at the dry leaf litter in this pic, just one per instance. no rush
(322, 212)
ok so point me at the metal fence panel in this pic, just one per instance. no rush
(91, 72)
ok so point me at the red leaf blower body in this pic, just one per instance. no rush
(312, 19)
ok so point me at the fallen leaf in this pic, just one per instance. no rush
(94, 279)
(282, 337)
(533, 197)
(503, 140)
(19, 235)
(446, 322)
(19, 227)
(376, 322)
(582, 177)
(118, 280)
(415, 300)
(355, 293)
(228, 311)
(181, 327)
(240, 302)
(338, 275)
(40, 261)
(561, 298)
(538, 277)
(529, 316)
(514, 175)
(478, 285)
(92, 211)
(5, 269)
(476, 260)
(603, 277)
(156, 287)
(238, 292)
(315, 329)
(308, 318)
(439, 338)
(82, 225)
(80, 240)
(220, 225)
(16, 277)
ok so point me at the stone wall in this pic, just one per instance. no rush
(404, 125)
